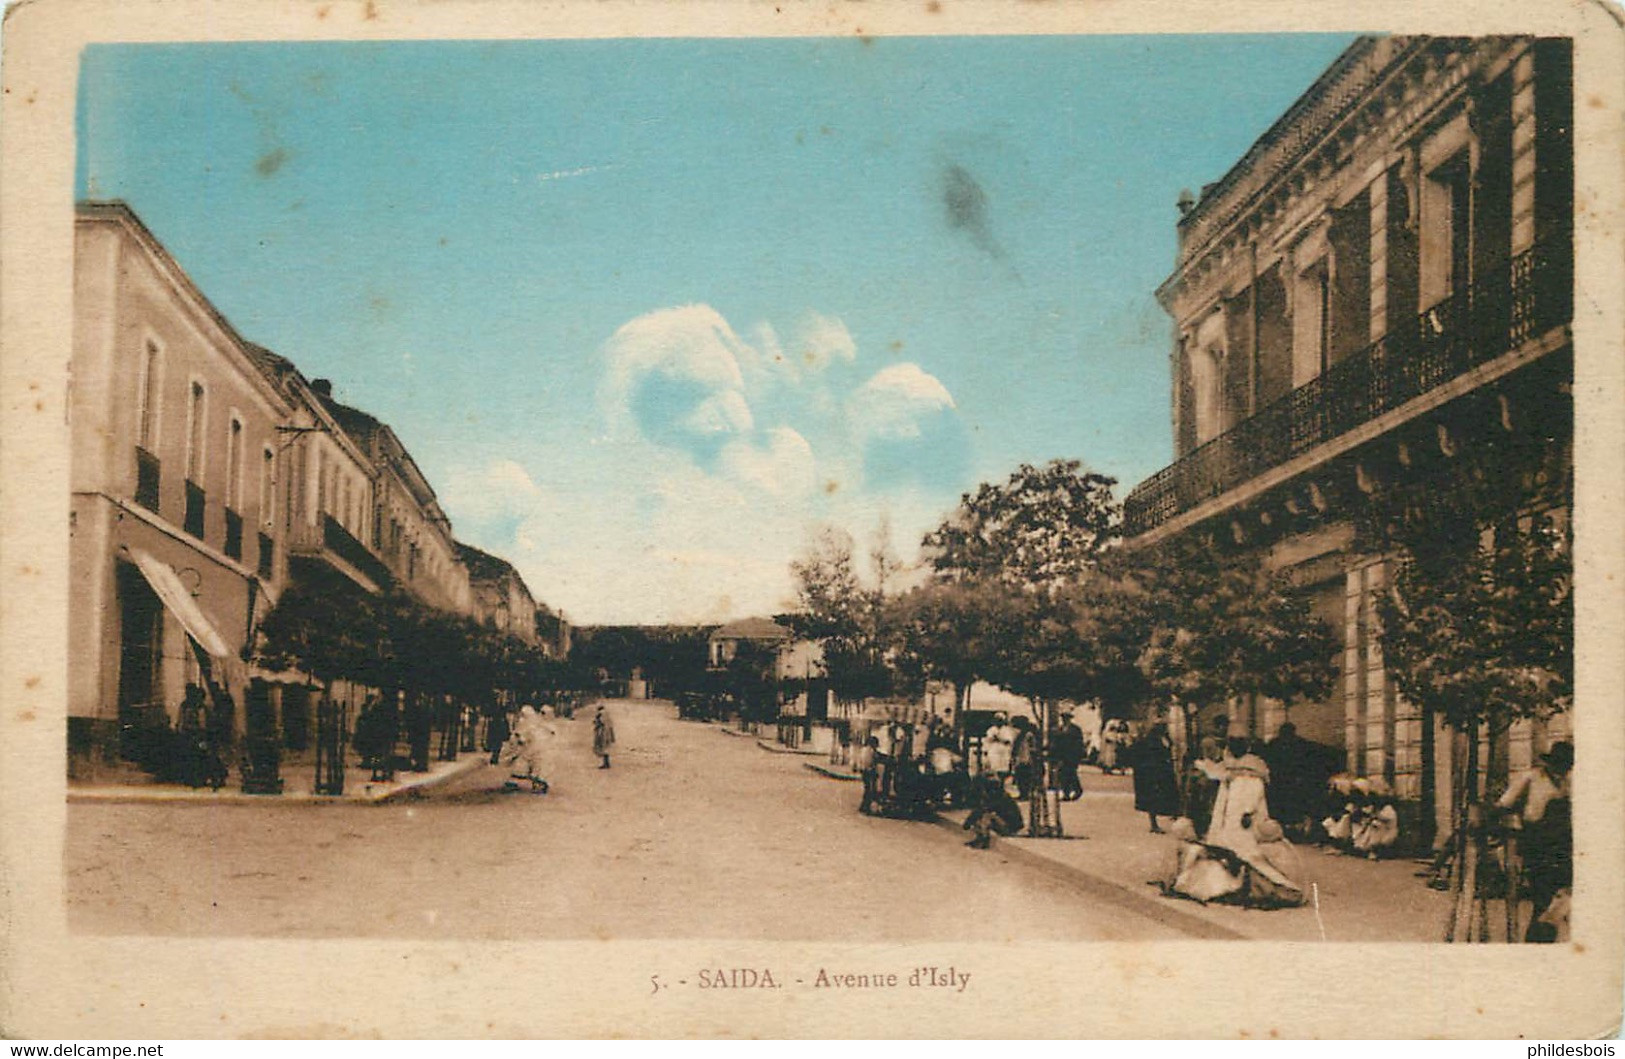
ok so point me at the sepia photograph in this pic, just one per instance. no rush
(887, 498)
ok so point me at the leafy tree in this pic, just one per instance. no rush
(327, 631)
(1217, 627)
(848, 618)
(949, 631)
(1025, 543)
(1041, 528)
(1478, 627)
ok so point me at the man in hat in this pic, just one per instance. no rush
(1067, 751)
(1538, 801)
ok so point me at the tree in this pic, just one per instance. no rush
(1041, 528)
(1478, 628)
(948, 631)
(1217, 627)
(848, 618)
(1025, 543)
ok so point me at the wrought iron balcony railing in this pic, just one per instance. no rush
(148, 475)
(1512, 305)
(196, 505)
(340, 541)
(234, 534)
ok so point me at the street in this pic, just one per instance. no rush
(691, 834)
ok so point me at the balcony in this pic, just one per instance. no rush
(234, 534)
(339, 550)
(148, 476)
(196, 503)
(1478, 325)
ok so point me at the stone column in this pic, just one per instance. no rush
(1523, 153)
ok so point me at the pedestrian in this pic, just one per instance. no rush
(603, 735)
(1114, 737)
(993, 811)
(996, 751)
(525, 751)
(1156, 784)
(1024, 757)
(1379, 829)
(1296, 777)
(1244, 855)
(867, 761)
(1539, 804)
(497, 733)
(1201, 781)
(1067, 753)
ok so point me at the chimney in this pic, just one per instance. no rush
(324, 387)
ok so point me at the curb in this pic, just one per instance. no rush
(169, 795)
(430, 780)
(770, 748)
(1157, 909)
(830, 771)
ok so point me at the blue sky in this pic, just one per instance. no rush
(649, 313)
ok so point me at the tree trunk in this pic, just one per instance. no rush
(1466, 911)
(1043, 819)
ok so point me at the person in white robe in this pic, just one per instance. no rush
(1244, 856)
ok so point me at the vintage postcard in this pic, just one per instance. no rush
(745, 520)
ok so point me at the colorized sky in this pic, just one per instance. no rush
(649, 313)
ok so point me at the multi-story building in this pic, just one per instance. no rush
(178, 535)
(210, 475)
(1381, 282)
(498, 594)
(409, 532)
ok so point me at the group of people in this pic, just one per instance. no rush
(909, 769)
(524, 746)
(1230, 847)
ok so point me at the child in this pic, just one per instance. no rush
(1378, 831)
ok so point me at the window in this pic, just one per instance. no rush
(321, 481)
(234, 534)
(267, 487)
(234, 465)
(148, 475)
(1446, 230)
(194, 433)
(267, 555)
(146, 432)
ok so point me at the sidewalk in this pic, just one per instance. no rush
(1111, 844)
(1110, 853)
(297, 787)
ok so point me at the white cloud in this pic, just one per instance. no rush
(895, 400)
(722, 451)
(724, 412)
(783, 467)
(691, 348)
(823, 340)
(500, 489)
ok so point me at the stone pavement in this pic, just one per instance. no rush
(298, 783)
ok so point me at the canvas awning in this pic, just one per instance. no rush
(175, 595)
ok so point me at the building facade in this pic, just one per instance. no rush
(498, 596)
(179, 541)
(407, 530)
(209, 475)
(1380, 285)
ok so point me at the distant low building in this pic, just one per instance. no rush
(725, 643)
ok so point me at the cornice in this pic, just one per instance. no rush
(1385, 92)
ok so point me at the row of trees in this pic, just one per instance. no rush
(393, 641)
(1028, 590)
